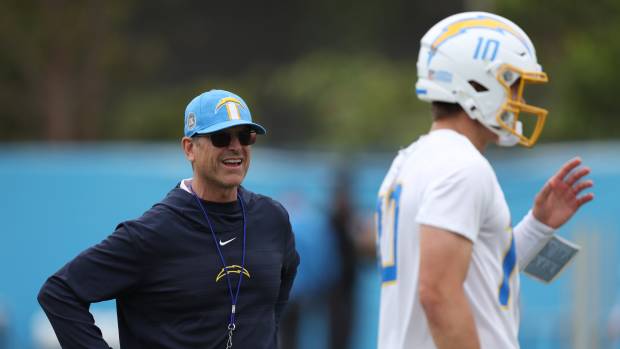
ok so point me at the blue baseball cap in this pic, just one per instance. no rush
(216, 110)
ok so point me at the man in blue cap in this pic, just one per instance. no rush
(210, 266)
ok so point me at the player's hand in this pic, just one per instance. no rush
(559, 199)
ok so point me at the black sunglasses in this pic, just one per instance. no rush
(222, 139)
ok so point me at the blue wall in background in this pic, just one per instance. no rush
(58, 200)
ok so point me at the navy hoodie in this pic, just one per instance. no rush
(163, 268)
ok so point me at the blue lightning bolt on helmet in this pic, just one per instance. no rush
(473, 59)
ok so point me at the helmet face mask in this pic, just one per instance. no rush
(508, 115)
(483, 62)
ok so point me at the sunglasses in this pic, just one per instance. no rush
(222, 139)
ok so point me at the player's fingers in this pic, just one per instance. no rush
(584, 199)
(567, 167)
(577, 175)
(582, 185)
(545, 191)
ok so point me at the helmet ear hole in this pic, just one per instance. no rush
(477, 86)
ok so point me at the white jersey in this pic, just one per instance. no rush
(442, 180)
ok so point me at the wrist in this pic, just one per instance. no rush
(531, 235)
(532, 223)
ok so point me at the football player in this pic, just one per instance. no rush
(449, 256)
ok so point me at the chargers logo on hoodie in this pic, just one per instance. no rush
(235, 269)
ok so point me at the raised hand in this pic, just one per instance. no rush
(559, 199)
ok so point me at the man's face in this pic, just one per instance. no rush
(222, 167)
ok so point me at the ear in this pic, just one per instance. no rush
(188, 148)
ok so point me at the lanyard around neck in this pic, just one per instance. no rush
(233, 298)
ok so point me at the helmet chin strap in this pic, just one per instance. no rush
(507, 139)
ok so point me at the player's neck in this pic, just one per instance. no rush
(477, 134)
(214, 193)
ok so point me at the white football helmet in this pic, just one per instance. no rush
(473, 59)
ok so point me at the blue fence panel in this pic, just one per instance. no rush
(58, 200)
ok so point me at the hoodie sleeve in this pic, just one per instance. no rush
(289, 271)
(100, 273)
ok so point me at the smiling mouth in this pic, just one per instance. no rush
(232, 163)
